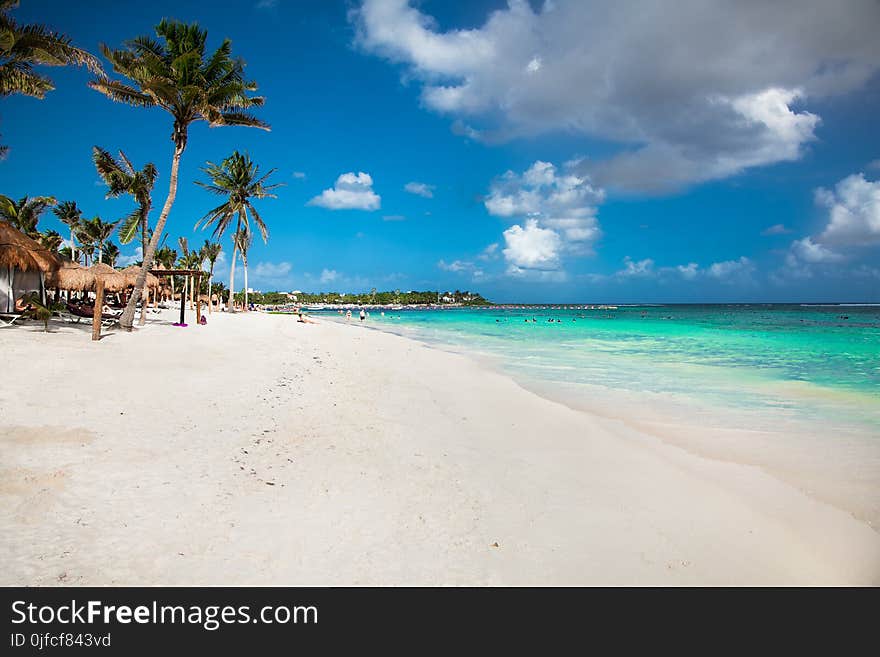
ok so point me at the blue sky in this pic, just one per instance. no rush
(564, 152)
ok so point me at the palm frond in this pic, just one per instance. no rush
(122, 93)
(129, 225)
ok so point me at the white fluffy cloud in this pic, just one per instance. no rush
(853, 212)
(806, 250)
(560, 208)
(531, 247)
(690, 91)
(125, 261)
(420, 189)
(352, 191)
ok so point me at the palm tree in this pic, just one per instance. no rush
(86, 248)
(51, 239)
(166, 256)
(178, 77)
(211, 251)
(184, 262)
(122, 178)
(243, 238)
(24, 46)
(69, 214)
(25, 214)
(239, 179)
(192, 261)
(96, 232)
(111, 253)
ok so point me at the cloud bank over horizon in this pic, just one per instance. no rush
(693, 91)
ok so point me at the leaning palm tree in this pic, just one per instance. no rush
(96, 233)
(239, 179)
(24, 214)
(177, 75)
(70, 215)
(243, 238)
(211, 251)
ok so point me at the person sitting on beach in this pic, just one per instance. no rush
(21, 304)
(303, 319)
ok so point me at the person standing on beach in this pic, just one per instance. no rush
(363, 315)
(347, 315)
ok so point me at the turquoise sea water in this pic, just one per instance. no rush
(810, 362)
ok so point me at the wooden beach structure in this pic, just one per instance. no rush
(195, 276)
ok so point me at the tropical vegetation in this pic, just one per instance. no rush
(238, 179)
(175, 73)
(22, 47)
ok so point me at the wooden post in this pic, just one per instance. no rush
(198, 299)
(99, 302)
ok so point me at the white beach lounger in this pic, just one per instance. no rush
(8, 319)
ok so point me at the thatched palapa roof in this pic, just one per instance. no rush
(71, 276)
(20, 251)
(132, 272)
(114, 281)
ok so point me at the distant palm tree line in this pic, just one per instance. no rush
(175, 72)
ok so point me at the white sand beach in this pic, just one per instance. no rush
(258, 450)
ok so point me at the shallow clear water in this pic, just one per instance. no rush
(815, 363)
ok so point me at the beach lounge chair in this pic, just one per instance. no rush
(87, 312)
(8, 319)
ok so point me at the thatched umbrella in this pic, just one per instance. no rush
(114, 281)
(132, 272)
(71, 276)
(21, 252)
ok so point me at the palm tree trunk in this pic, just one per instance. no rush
(127, 319)
(210, 296)
(143, 318)
(244, 262)
(72, 246)
(101, 252)
(232, 281)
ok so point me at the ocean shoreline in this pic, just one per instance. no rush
(678, 432)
